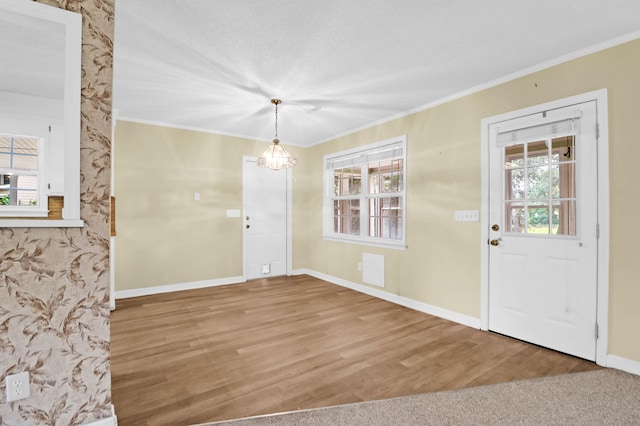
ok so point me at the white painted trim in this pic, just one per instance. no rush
(602, 315)
(112, 273)
(198, 129)
(393, 298)
(624, 364)
(289, 221)
(602, 345)
(170, 288)
(107, 421)
(112, 240)
(55, 223)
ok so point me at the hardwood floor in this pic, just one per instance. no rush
(292, 343)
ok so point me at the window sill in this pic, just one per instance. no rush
(24, 213)
(44, 223)
(399, 245)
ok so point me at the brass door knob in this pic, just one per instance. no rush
(494, 242)
(248, 226)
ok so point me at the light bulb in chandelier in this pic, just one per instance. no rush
(275, 157)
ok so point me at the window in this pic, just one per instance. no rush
(540, 190)
(365, 191)
(21, 175)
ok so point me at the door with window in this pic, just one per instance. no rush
(543, 236)
(265, 220)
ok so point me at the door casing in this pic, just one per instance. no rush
(602, 315)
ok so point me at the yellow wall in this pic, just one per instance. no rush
(164, 236)
(441, 265)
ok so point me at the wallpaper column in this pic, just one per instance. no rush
(54, 283)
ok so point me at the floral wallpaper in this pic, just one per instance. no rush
(54, 282)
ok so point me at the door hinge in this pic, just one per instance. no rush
(597, 130)
(597, 331)
(597, 230)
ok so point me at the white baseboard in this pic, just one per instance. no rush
(108, 421)
(624, 364)
(146, 291)
(400, 300)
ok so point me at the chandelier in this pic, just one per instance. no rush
(276, 157)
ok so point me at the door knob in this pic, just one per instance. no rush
(248, 226)
(495, 227)
(495, 242)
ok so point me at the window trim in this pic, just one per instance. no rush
(328, 176)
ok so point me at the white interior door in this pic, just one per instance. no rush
(264, 220)
(543, 208)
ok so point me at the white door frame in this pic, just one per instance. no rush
(602, 315)
(289, 237)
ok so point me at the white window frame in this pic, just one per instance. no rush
(360, 156)
(69, 121)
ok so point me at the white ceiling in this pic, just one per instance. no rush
(337, 65)
(31, 56)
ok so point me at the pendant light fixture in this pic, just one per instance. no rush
(276, 157)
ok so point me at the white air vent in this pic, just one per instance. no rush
(373, 269)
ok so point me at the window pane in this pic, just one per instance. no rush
(515, 184)
(555, 180)
(20, 191)
(538, 220)
(537, 153)
(25, 162)
(22, 145)
(385, 217)
(514, 156)
(386, 176)
(566, 186)
(355, 217)
(347, 181)
(374, 178)
(514, 217)
(392, 227)
(19, 155)
(337, 182)
(564, 218)
(563, 149)
(538, 183)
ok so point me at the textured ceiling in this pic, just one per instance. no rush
(31, 56)
(337, 65)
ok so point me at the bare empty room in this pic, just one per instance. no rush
(345, 212)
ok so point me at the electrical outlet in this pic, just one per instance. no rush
(17, 386)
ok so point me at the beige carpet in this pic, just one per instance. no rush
(603, 397)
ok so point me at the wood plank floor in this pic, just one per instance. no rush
(291, 343)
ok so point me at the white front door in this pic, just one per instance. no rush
(543, 252)
(264, 220)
